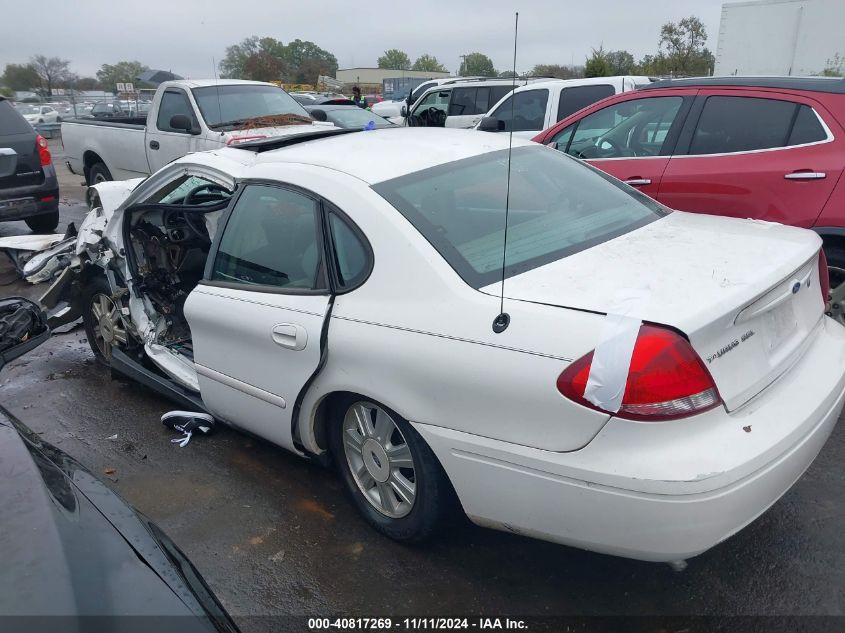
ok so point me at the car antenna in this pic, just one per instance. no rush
(501, 322)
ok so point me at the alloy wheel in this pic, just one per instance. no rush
(108, 325)
(379, 459)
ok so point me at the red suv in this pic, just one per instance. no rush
(750, 147)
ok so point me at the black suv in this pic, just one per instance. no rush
(29, 189)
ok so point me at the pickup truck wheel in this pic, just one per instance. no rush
(103, 322)
(393, 477)
(99, 173)
(46, 223)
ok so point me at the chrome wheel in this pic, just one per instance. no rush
(836, 305)
(379, 459)
(107, 324)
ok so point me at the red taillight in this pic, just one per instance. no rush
(824, 278)
(43, 151)
(666, 379)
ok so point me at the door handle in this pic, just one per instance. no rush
(154, 145)
(638, 182)
(290, 335)
(805, 175)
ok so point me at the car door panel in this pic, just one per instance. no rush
(644, 174)
(779, 184)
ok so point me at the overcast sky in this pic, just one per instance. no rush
(184, 35)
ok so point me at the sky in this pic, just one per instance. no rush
(185, 36)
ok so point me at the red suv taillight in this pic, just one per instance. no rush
(43, 151)
(824, 278)
(666, 379)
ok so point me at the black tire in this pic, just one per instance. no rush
(435, 501)
(45, 223)
(96, 286)
(836, 270)
(98, 172)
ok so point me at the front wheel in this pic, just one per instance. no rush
(391, 474)
(103, 322)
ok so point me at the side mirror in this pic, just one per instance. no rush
(23, 327)
(491, 124)
(319, 115)
(183, 123)
(404, 111)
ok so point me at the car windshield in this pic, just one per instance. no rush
(27, 109)
(355, 117)
(230, 106)
(558, 207)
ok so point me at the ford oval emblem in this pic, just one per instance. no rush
(796, 287)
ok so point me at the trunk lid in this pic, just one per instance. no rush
(746, 293)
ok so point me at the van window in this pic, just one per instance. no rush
(471, 100)
(742, 124)
(528, 109)
(579, 97)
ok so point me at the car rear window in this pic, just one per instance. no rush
(11, 122)
(579, 97)
(558, 207)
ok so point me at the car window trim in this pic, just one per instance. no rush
(682, 149)
(324, 266)
(338, 288)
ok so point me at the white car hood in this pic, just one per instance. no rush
(698, 273)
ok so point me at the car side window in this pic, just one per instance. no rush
(174, 102)
(463, 101)
(579, 97)
(528, 109)
(742, 124)
(351, 255)
(635, 127)
(202, 191)
(807, 128)
(272, 239)
(437, 99)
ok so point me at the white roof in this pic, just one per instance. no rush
(202, 83)
(379, 155)
(586, 81)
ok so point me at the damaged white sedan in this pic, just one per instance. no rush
(649, 382)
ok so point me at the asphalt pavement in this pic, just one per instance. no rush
(274, 534)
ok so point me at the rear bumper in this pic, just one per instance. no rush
(19, 203)
(656, 491)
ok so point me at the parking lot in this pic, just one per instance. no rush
(274, 534)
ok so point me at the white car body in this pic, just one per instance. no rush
(43, 114)
(557, 99)
(130, 150)
(417, 338)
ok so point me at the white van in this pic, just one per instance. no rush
(539, 105)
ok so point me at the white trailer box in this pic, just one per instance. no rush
(780, 37)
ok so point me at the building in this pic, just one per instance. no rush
(372, 78)
(780, 37)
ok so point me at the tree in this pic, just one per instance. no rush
(428, 63)
(305, 61)
(52, 72)
(7, 92)
(557, 71)
(86, 83)
(682, 50)
(395, 60)
(477, 64)
(121, 72)
(598, 64)
(264, 66)
(20, 77)
(621, 63)
(508, 74)
(834, 67)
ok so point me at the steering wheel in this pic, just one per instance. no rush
(618, 150)
(436, 117)
(209, 186)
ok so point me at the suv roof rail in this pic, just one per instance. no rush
(833, 85)
(278, 142)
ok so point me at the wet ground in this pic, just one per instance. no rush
(274, 534)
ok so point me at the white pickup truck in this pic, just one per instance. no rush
(186, 116)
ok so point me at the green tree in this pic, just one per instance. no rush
(508, 74)
(428, 63)
(557, 71)
(306, 61)
(682, 49)
(86, 83)
(7, 92)
(395, 60)
(20, 77)
(598, 64)
(120, 72)
(52, 72)
(621, 63)
(834, 67)
(477, 64)
(264, 66)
